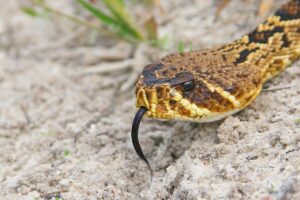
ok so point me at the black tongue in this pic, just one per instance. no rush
(135, 137)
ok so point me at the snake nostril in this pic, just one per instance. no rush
(172, 102)
(158, 89)
(160, 92)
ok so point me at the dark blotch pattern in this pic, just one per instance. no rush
(289, 11)
(263, 36)
(286, 42)
(244, 54)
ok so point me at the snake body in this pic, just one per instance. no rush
(210, 84)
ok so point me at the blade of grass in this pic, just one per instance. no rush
(180, 47)
(122, 30)
(38, 1)
(98, 13)
(29, 11)
(160, 42)
(191, 47)
(77, 20)
(72, 18)
(117, 8)
(121, 2)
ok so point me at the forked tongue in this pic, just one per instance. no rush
(135, 135)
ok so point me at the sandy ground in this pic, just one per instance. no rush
(65, 129)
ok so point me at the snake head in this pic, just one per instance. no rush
(166, 91)
(200, 86)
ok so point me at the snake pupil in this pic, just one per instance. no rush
(188, 86)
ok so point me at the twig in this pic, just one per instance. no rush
(220, 7)
(107, 67)
(277, 88)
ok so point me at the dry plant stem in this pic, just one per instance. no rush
(60, 44)
(139, 60)
(81, 21)
(278, 88)
(135, 64)
(130, 81)
(121, 14)
(107, 67)
(221, 7)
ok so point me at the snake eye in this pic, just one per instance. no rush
(188, 86)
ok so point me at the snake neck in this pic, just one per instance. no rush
(274, 44)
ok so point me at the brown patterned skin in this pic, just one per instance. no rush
(211, 84)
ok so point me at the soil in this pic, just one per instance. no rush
(67, 104)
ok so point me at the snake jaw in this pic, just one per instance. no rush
(163, 102)
(157, 101)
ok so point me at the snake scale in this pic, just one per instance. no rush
(211, 84)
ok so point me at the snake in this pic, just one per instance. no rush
(211, 84)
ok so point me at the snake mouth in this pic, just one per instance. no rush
(135, 137)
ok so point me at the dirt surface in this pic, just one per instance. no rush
(65, 127)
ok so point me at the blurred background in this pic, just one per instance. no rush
(67, 100)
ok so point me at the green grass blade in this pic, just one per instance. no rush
(39, 1)
(191, 47)
(117, 8)
(180, 47)
(122, 30)
(98, 13)
(29, 11)
(121, 2)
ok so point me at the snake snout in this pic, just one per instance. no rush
(141, 99)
